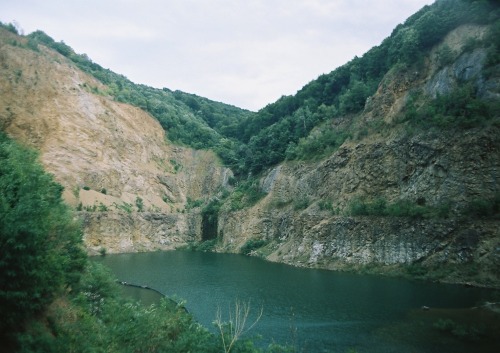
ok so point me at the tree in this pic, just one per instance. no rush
(40, 244)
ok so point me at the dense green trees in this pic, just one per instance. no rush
(274, 132)
(40, 244)
(188, 119)
(251, 142)
(52, 299)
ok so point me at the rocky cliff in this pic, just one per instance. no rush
(117, 167)
(136, 191)
(305, 217)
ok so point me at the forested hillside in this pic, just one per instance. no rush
(188, 119)
(252, 142)
(279, 131)
(53, 299)
(389, 163)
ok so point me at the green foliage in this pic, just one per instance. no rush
(380, 208)
(445, 56)
(125, 206)
(86, 188)
(416, 270)
(251, 142)
(301, 204)
(273, 143)
(205, 246)
(317, 145)
(188, 119)
(40, 244)
(484, 208)
(9, 27)
(104, 191)
(460, 109)
(252, 245)
(177, 166)
(325, 205)
(354, 98)
(139, 203)
(274, 133)
(493, 58)
(190, 204)
(246, 194)
(97, 319)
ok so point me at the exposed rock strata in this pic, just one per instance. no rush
(115, 160)
(434, 169)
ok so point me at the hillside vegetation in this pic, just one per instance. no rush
(388, 162)
(252, 142)
(53, 299)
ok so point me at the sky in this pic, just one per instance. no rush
(246, 53)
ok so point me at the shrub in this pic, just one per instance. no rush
(325, 205)
(402, 208)
(190, 204)
(139, 203)
(301, 204)
(459, 109)
(483, 208)
(207, 245)
(247, 194)
(127, 207)
(252, 245)
(416, 270)
(40, 242)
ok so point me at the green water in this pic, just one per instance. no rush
(313, 310)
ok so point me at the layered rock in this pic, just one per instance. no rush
(426, 168)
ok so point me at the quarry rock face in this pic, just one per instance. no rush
(133, 189)
(431, 169)
(113, 159)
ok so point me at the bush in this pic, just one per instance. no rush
(41, 252)
(301, 204)
(207, 245)
(247, 194)
(325, 205)
(139, 203)
(402, 208)
(484, 208)
(252, 245)
(459, 109)
(98, 319)
(190, 204)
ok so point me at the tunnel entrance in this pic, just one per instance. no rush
(210, 220)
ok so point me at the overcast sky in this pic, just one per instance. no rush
(246, 53)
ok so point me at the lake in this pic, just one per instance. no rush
(318, 310)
